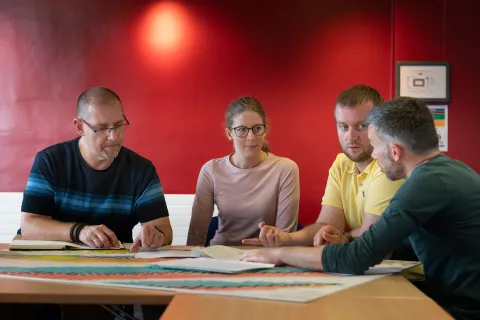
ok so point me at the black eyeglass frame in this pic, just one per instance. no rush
(248, 130)
(107, 130)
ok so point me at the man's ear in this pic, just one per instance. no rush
(396, 151)
(79, 128)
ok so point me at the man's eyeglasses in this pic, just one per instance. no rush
(106, 131)
(257, 130)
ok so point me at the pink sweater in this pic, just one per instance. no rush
(269, 192)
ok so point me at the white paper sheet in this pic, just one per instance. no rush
(391, 266)
(212, 265)
(219, 252)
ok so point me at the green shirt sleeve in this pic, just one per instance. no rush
(419, 199)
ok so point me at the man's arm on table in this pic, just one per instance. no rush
(368, 220)
(329, 216)
(42, 227)
(407, 212)
(38, 204)
(350, 258)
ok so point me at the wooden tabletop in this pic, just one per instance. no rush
(34, 291)
(390, 297)
(335, 306)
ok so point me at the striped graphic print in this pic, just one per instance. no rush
(152, 193)
(69, 200)
(38, 186)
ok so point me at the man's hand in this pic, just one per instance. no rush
(269, 237)
(149, 237)
(271, 255)
(99, 237)
(328, 234)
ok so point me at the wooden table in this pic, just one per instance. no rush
(391, 297)
(335, 306)
(33, 291)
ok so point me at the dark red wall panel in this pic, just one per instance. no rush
(295, 59)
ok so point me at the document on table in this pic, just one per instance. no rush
(392, 266)
(214, 252)
(219, 252)
(211, 265)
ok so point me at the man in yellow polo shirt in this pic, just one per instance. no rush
(357, 191)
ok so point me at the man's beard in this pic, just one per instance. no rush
(394, 171)
(362, 157)
(109, 155)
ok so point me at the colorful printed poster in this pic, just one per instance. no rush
(440, 116)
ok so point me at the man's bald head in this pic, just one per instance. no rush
(98, 96)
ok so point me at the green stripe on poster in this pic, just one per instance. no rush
(438, 116)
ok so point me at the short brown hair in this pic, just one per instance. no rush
(358, 94)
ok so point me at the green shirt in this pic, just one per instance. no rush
(438, 210)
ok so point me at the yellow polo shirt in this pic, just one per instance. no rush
(356, 193)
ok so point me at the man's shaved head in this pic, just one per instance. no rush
(99, 96)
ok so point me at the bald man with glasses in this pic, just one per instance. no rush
(92, 189)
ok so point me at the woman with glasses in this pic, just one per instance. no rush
(249, 186)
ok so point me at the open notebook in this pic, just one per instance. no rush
(19, 244)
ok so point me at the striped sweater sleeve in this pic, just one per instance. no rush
(38, 196)
(151, 204)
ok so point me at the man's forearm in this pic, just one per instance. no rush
(305, 258)
(35, 227)
(305, 236)
(356, 233)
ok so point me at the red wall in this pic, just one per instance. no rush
(295, 59)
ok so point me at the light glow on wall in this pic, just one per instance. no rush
(165, 32)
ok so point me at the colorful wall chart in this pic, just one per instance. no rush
(440, 116)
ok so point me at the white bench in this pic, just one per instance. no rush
(179, 207)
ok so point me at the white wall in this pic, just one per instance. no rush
(179, 206)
